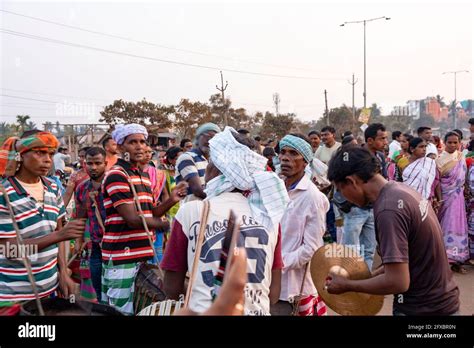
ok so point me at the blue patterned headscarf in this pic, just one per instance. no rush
(298, 144)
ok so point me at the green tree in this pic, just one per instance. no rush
(22, 121)
(30, 125)
(424, 120)
(277, 126)
(142, 112)
(341, 119)
(218, 107)
(375, 110)
(188, 116)
(440, 100)
(7, 130)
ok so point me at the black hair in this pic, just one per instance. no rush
(277, 148)
(471, 145)
(471, 121)
(184, 141)
(414, 143)
(94, 151)
(408, 136)
(459, 132)
(450, 134)
(396, 134)
(352, 160)
(422, 129)
(268, 151)
(242, 139)
(85, 148)
(314, 132)
(173, 151)
(105, 141)
(257, 138)
(347, 139)
(372, 129)
(328, 129)
(346, 133)
(243, 131)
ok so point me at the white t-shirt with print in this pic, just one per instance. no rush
(260, 246)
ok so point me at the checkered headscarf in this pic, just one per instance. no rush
(244, 169)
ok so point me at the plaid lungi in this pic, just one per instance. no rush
(118, 283)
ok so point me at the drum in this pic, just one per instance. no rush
(64, 307)
(168, 307)
(148, 287)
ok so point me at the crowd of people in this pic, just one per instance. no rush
(410, 201)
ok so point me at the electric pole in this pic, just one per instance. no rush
(222, 89)
(365, 47)
(455, 96)
(276, 101)
(327, 111)
(353, 104)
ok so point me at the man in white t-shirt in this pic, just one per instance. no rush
(324, 154)
(61, 158)
(427, 135)
(235, 180)
(330, 145)
(395, 144)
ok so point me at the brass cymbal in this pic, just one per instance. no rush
(347, 262)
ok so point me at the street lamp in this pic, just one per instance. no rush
(455, 96)
(364, 21)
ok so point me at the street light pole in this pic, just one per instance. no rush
(364, 21)
(365, 70)
(455, 73)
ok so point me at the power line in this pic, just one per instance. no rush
(17, 97)
(40, 100)
(71, 44)
(151, 43)
(24, 104)
(23, 107)
(50, 94)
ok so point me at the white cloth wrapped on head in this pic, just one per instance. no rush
(124, 130)
(244, 169)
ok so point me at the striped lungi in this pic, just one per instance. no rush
(312, 306)
(118, 283)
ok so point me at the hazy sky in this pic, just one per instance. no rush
(405, 55)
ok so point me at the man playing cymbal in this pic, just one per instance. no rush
(414, 263)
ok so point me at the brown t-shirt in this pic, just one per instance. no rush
(408, 231)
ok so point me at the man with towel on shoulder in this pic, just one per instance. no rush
(235, 180)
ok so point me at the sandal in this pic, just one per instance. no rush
(458, 269)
